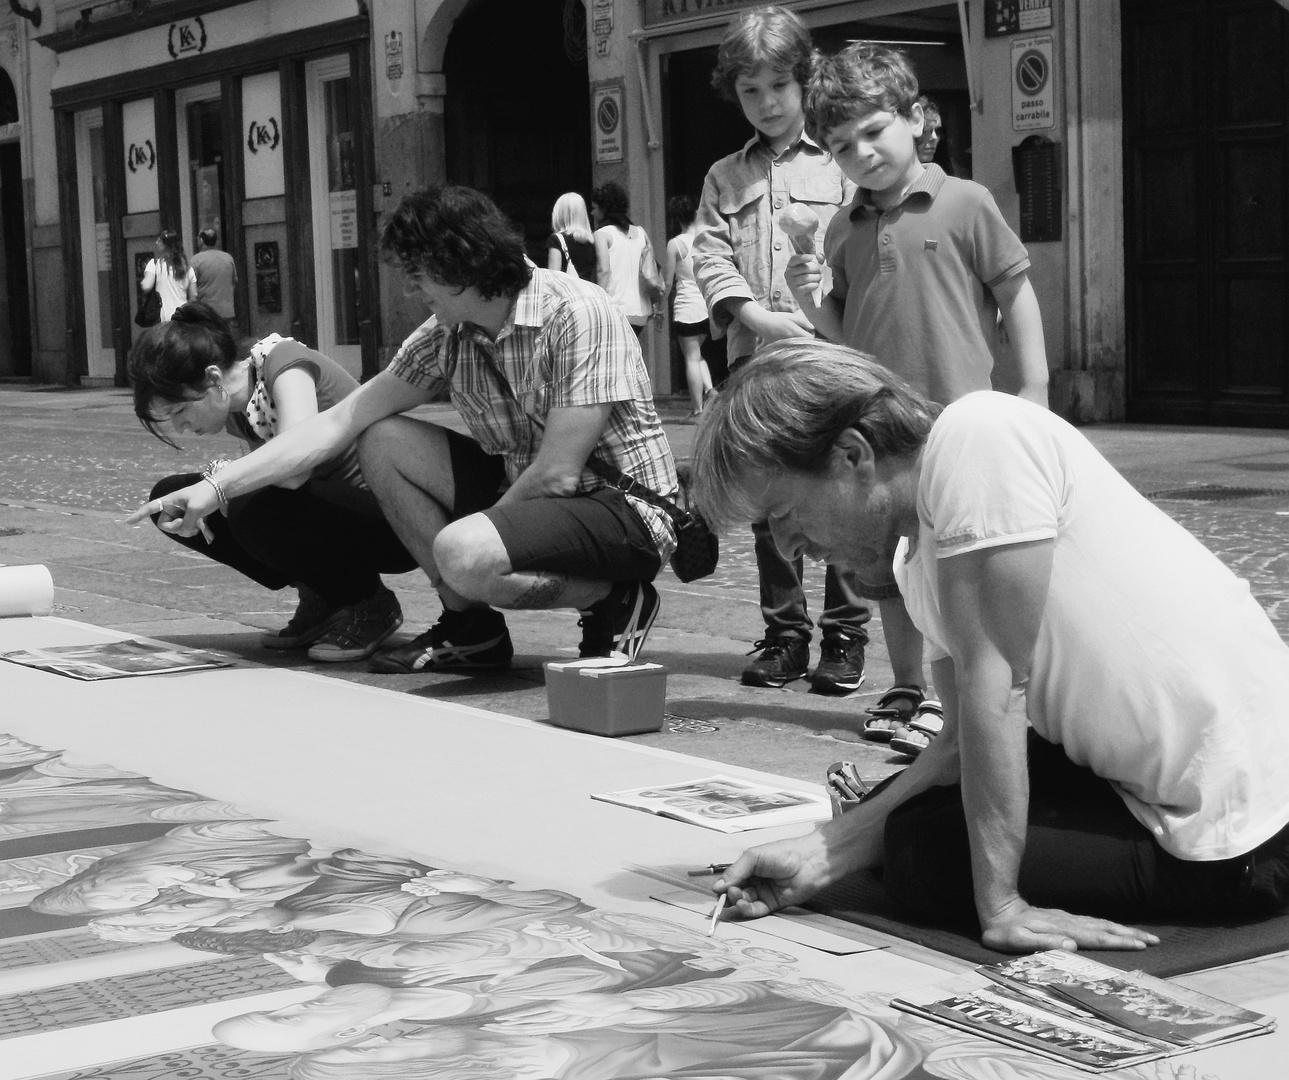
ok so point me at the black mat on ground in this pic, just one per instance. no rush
(1181, 949)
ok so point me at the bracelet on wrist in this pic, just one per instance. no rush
(208, 474)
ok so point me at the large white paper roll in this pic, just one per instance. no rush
(25, 590)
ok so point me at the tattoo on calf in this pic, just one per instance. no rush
(544, 591)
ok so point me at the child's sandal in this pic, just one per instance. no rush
(926, 724)
(886, 717)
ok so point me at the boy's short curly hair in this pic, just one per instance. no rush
(862, 77)
(773, 36)
(460, 238)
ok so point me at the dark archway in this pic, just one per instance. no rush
(15, 351)
(517, 118)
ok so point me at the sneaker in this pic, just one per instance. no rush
(782, 659)
(621, 621)
(313, 617)
(841, 665)
(361, 629)
(472, 640)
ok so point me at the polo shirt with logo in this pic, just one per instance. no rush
(915, 279)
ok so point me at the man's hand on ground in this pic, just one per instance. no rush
(1021, 928)
(768, 878)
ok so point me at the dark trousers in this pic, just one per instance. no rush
(327, 535)
(783, 601)
(1084, 853)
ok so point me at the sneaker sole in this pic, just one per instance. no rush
(270, 640)
(769, 682)
(835, 686)
(324, 655)
(386, 664)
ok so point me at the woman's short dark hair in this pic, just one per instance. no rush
(613, 203)
(681, 210)
(770, 36)
(169, 361)
(460, 238)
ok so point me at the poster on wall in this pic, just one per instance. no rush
(607, 119)
(1033, 93)
(344, 220)
(1003, 17)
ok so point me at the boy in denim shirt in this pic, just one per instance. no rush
(922, 264)
(740, 255)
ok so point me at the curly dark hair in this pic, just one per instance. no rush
(613, 203)
(681, 210)
(169, 361)
(770, 36)
(460, 238)
(862, 77)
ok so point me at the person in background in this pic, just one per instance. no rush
(216, 272)
(618, 246)
(317, 529)
(571, 245)
(689, 311)
(169, 272)
(930, 137)
(550, 382)
(740, 255)
(921, 263)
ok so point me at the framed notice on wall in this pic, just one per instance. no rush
(607, 122)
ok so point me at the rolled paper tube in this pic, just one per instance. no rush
(25, 590)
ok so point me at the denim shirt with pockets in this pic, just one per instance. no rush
(740, 252)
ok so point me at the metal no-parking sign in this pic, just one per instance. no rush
(1033, 84)
(607, 121)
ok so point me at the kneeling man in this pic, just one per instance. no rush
(549, 379)
(1116, 739)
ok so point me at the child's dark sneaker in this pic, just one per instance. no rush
(782, 659)
(841, 665)
(361, 629)
(313, 617)
(471, 640)
(621, 621)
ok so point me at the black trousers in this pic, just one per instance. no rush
(1084, 853)
(327, 535)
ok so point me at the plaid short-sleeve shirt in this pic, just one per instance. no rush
(564, 345)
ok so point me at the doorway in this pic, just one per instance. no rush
(333, 169)
(203, 190)
(13, 221)
(96, 247)
(1206, 145)
(519, 126)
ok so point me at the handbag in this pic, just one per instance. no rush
(697, 546)
(569, 266)
(651, 284)
(149, 313)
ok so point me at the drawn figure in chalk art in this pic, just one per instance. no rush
(749, 1032)
(365, 893)
(32, 803)
(241, 860)
(16, 754)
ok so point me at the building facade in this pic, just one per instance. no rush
(1138, 146)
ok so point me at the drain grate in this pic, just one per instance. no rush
(11, 532)
(1213, 493)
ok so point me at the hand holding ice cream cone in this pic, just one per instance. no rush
(799, 223)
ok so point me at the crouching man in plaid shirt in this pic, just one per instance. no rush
(548, 376)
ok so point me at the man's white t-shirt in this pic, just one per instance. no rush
(1154, 666)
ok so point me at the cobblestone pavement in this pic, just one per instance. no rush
(75, 461)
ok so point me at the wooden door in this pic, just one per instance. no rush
(1205, 100)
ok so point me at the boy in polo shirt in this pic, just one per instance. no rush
(922, 264)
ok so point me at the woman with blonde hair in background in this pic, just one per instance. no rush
(571, 245)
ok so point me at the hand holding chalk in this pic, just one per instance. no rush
(799, 223)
